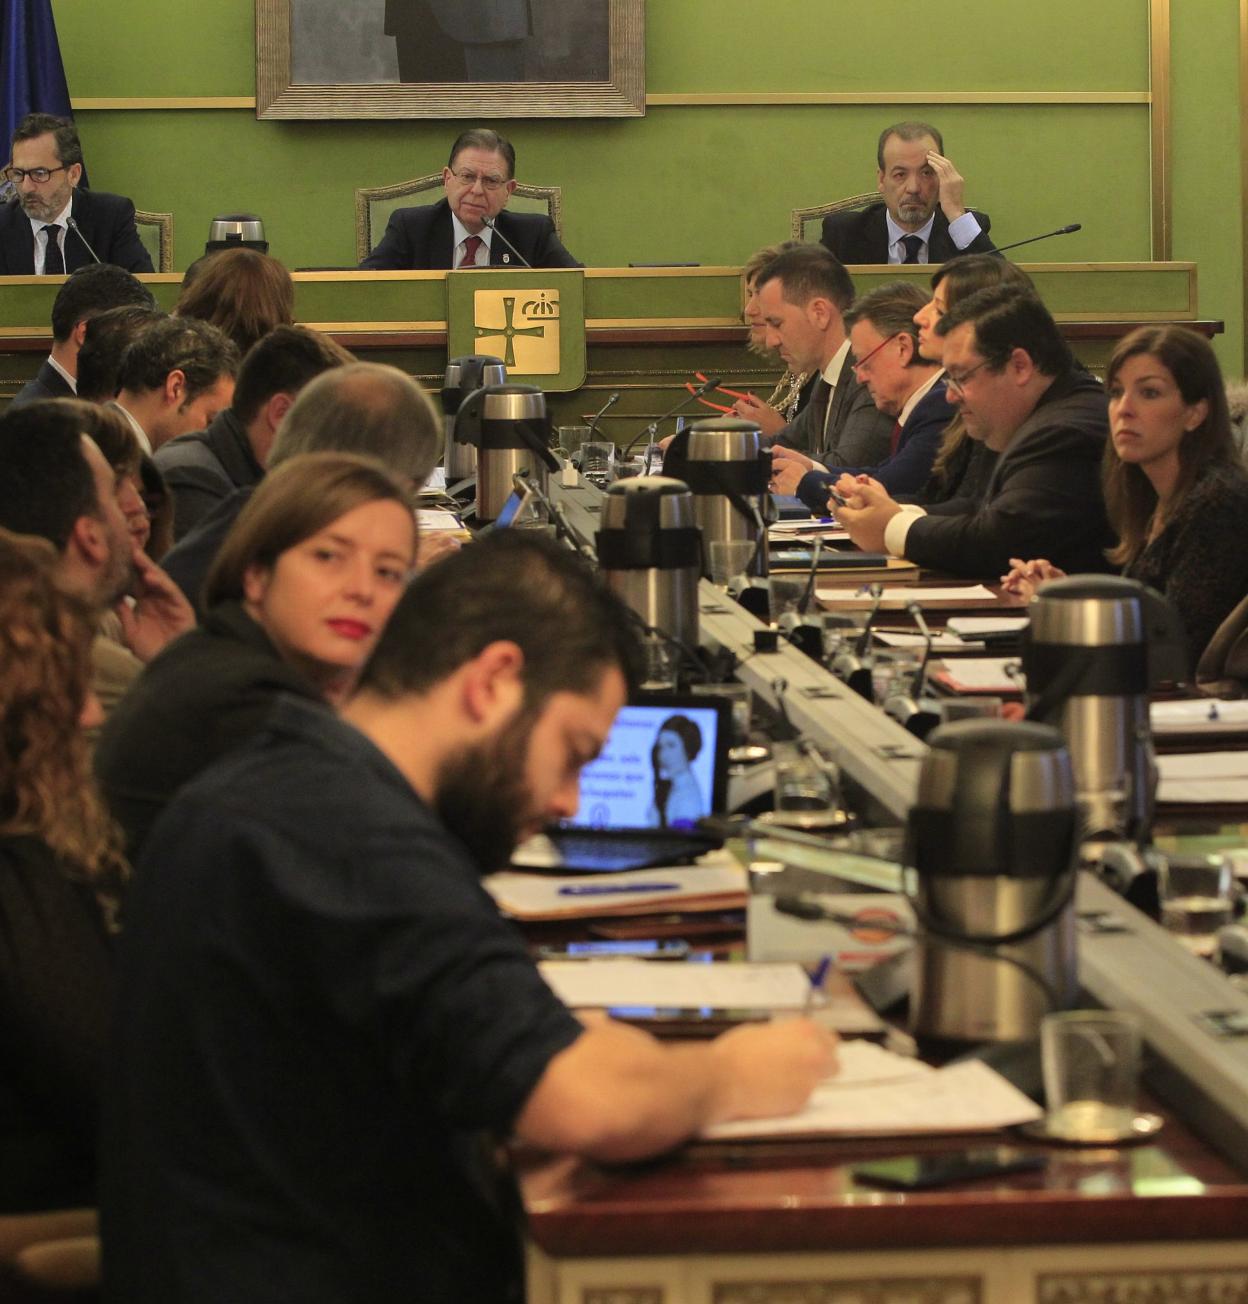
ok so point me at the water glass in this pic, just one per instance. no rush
(842, 630)
(741, 699)
(729, 558)
(893, 671)
(571, 439)
(807, 789)
(598, 461)
(662, 665)
(1197, 898)
(1091, 1065)
(785, 594)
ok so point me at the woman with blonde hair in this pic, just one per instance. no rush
(294, 603)
(61, 874)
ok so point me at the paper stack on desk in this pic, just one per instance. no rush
(605, 984)
(1199, 715)
(879, 1093)
(1203, 778)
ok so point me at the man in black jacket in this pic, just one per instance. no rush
(458, 232)
(55, 227)
(1018, 388)
(922, 218)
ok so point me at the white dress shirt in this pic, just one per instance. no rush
(462, 233)
(962, 231)
(61, 220)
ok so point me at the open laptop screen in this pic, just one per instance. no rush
(664, 766)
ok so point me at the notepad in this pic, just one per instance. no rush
(604, 984)
(982, 675)
(1203, 778)
(1203, 715)
(966, 593)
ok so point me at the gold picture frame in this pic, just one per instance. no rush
(621, 94)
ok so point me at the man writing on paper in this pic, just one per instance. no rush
(922, 218)
(326, 1029)
(1012, 377)
(458, 231)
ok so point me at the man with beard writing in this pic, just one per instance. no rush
(325, 1027)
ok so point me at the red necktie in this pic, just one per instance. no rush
(471, 245)
(894, 439)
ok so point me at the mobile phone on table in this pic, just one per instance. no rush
(642, 948)
(928, 1172)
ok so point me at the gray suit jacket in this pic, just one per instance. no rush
(857, 432)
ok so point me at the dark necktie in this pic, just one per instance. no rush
(53, 259)
(913, 244)
(894, 439)
(471, 245)
(819, 403)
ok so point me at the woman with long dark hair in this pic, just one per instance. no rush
(678, 801)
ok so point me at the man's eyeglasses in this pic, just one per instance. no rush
(958, 383)
(37, 175)
(862, 362)
(470, 179)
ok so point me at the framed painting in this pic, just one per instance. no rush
(450, 58)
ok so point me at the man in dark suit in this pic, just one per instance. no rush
(905, 386)
(36, 235)
(1019, 391)
(457, 232)
(922, 218)
(90, 291)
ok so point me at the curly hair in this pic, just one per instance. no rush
(46, 788)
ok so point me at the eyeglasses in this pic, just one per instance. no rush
(958, 383)
(470, 179)
(860, 365)
(37, 175)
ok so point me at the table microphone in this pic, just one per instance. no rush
(77, 230)
(489, 221)
(653, 427)
(602, 411)
(1062, 230)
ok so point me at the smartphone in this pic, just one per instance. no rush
(928, 1172)
(515, 506)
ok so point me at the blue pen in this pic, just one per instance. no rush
(607, 889)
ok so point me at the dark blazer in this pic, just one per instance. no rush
(206, 466)
(48, 383)
(856, 430)
(420, 239)
(106, 222)
(188, 562)
(1044, 498)
(861, 236)
(907, 470)
(203, 696)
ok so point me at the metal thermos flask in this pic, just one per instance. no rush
(991, 847)
(463, 376)
(510, 429)
(650, 551)
(727, 470)
(1094, 647)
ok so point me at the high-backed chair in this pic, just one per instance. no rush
(807, 223)
(1223, 665)
(156, 233)
(374, 204)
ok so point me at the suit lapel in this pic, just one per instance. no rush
(441, 239)
(76, 254)
(18, 243)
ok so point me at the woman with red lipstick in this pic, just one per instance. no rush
(1175, 489)
(296, 600)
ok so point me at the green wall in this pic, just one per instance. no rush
(711, 183)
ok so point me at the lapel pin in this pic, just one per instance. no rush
(506, 258)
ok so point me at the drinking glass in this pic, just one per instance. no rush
(1197, 898)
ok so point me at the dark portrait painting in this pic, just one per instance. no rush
(386, 58)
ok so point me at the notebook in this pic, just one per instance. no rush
(664, 766)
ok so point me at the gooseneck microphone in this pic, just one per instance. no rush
(1061, 230)
(524, 262)
(602, 411)
(652, 429)
(77, 230)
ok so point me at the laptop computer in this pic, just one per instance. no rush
(664, 767)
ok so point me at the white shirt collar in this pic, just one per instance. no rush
(71, 381)
(139, 433)
(896, 232)
(832, 372)
(61, 220)
(462, 233)
(912, 402)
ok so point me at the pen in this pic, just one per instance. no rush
(607, 889)
(818, 976)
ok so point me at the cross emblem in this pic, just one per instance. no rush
(508, 331)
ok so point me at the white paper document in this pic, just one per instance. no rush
(979, 626)
(1203, 777)
(877, 1093)
(911, 593)
(983, 675)
(940, 642)
(793, 529)
(1202, 715)
(603, 984)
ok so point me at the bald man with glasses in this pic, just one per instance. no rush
(459, 231)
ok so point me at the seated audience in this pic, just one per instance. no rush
(903, 385)
(205, 466)
(1175, 488)
(297, 598)
(242, 292)
(366, 408)
(469, 228)
(104, 343)
(1019, 390)
(175, 376)
(60, 875)
(91, 290)
(325, 1027)
(922, 218)
(57, 485)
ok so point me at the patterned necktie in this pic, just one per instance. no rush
(471, 245)
(53, 259)
(913, 244)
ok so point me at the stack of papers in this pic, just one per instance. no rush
(982, 675)
(986, 626)
(1202, 715)
(963, 593)
(879, 1093)
(1204, 778)
(604, 984)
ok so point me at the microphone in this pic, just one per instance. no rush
(653, 427)
(77, 230)
(1063, 230)
(602, 411)
(524, 262)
